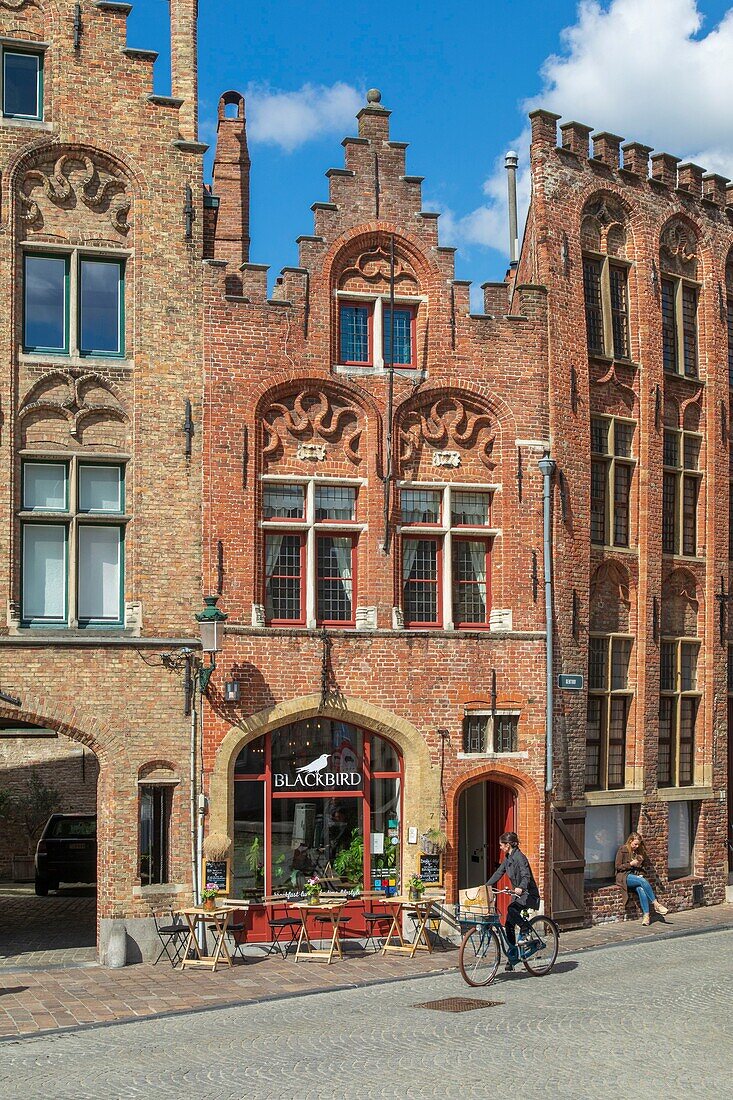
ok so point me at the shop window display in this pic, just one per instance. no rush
(317, 797)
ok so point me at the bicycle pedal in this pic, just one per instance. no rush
(509, 967)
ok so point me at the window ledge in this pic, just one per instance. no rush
(84, 361)
(625, 796)
(381, 372)
(684, 559)
(27, 124)
(684, 794)
(428, 633)
(684, 378)
(493, 756)
(603, 548)
(159, 890)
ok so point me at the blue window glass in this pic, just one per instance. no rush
(21, 84)
(402, 336)
(355, 334)
(100, 307)
(46, 293)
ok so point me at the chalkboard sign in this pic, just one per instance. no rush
(431, 869)
(216, 873)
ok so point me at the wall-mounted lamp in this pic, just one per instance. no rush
(211, 622)
(231, 691)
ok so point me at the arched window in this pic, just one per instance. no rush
(605, 278)
(680, 294)
(317, 797)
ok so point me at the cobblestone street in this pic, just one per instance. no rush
(651, 1018)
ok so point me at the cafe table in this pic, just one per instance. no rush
(331, 909)
(423, 908)
(218, 919)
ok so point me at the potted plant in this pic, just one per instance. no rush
(415, 888)
(208, 896)
(312, 890)
(433, 841)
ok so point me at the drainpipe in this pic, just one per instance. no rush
(511, 160)
(547, 467)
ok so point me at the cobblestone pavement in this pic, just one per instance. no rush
(58, 930)
(649, 1020)
(47, 999)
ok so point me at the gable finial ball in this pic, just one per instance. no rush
(374, 95)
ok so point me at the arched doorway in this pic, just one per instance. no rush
(486, 809)
(317, 797)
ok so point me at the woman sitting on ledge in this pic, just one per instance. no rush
(632, 860)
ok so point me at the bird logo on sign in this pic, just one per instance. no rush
(315, 765)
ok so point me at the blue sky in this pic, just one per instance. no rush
(459, 80)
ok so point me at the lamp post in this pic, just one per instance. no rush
(211, 621)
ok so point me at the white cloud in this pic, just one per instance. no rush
(640, 68)
(290, 119)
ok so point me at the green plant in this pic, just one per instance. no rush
(209, 891)
(436, 837)
(254, 858)
(416, 884)
(349, 863)
(312, 888)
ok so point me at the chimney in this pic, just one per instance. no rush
(231, 183)
(184, 64)
(511, 160)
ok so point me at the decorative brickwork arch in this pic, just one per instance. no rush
(604, 225)
(681, 605)
(679, 247)
(610, 599)
(443, 420)
(421, 797)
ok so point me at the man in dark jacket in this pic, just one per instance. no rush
(526, 895)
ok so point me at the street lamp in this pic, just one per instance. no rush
(210, 621)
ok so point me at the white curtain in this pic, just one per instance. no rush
(99, 573)
(409, 553)
(477, 550)
(272, 553)
(44, 572)
(342, 548)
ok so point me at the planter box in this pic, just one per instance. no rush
(23, 869)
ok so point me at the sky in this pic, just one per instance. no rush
(459, 79)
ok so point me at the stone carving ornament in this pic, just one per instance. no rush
(372, 268)
(313, 416)
(603, 227)
(444, 421)
(678, 250)
(76, 398)
(75, 176)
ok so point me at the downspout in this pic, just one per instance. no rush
(194, 799)
(547, 467)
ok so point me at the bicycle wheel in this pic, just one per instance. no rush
(479, 956)
(546, 932)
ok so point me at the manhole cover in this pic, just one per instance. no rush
(459, 1004)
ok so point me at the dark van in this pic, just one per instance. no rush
(66, 852)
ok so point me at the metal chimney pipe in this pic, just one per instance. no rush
(511, 160)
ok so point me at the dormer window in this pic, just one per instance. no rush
(366, 329)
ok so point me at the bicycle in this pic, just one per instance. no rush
(485, 941)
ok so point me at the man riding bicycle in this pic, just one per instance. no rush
(524, 888)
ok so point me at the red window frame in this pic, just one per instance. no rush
(354, 562)
(287, 622)
(418, 537)
(457, 623)
(369, 306)
(412, 310)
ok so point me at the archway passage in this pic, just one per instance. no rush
(48, 896)
(486, 809)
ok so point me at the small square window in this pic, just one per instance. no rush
(22, 84)
(475, 733)
(470, 509)
(335, 502)
(45, 487)
(506, 729)
(283, 501)
(355, 333)
(100, 489)
(420, 505)
(403, 342)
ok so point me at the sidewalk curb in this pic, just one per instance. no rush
(274, 997)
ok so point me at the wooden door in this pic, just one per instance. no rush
(501, 817)
(568, 867)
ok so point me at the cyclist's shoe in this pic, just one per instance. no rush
(661, 909)
(509, 966)
(512, 957)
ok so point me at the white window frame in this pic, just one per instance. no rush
(311, 529)
(444, 532)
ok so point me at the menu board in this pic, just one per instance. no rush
(216, 873)
(431, 869)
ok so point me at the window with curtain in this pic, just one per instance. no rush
(311, 536)
(73, 536)
(446, 552)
